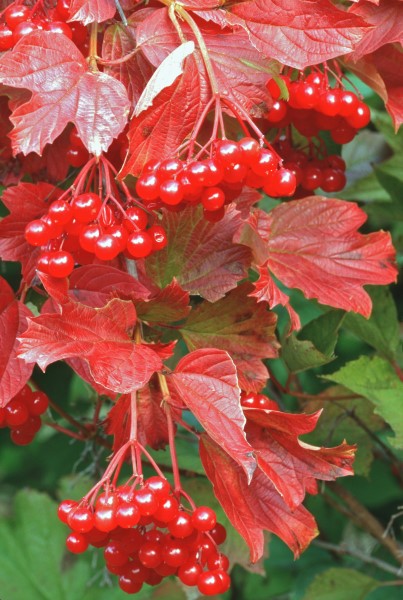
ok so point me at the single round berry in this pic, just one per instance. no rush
(218, 561)
(167, 510)
(204, 518)
(86, 207)
(60, 212)
(209, 583)
(147, 187)
(227, 152)
(146, 501)
(37, 232)
(189, 572)
(266, 163)
(37, 403)
(128, 585)
(150, 554)
(343, 134)
(105, 519)
(107, 247)
(81, 519)
(21, 437)
(127, 515)
(333, 180)
(171, 192)
(360, 117)
(16, 413)
(59, 27)
(140, 244)
(158, 236)
(348, 103)
(274, 88)
(160, 487)
(213, 198)
(168, 168)
(174, 552)
(218, 533)
(250, 150)
(181, 526)
(76, 543)
(136, 218)
(115, 554)
(6, 38)
(16, 14)
(278, 112)
(23, 29)
(311, 178)
(329, 103)
(61, 264)
(89, 235)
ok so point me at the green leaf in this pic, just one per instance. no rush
(341, 584)
(314, 345)
(32, 562)
(381, 330)
(384, 124)
(375, 379)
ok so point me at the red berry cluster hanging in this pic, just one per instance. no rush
(22, 415)
(147, 535)
(217, 179)
(80, 226)
(19, 20)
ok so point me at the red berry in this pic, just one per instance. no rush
(343, 134)
(16, 14)
(181, 526)
(75, 140)
(158, 236)
(16, 413)
(89, 235)
(105, 519)
(213, 198)
(61, 212)
(273, 87)
(21, 437)
(174, 552)
(218, 561)
(168, 168)
(146, 501)
(311, 178)
(209, 583)
(170, 192)
(204, 518)
(198, 173)
(150, 554)
(147, 187)
(140, 244)
(278, 112)
(282, 183)
(215, 172)
(81, 519)
(266, 163)
(306, 95)
(329, 103)
(115, 554)
(76, 543)
(167, 511)
(86, 207)
(63, 8)
(127, 515)
(360, 117)
(333, 180)
(37, 403)
(160, 487)
(64, 509)
(80, 33)
(59, 27)
(6, 38)
(37, 232)
(348, 103)
(136, 218)
(61, 264)
(24, 28)
(227, 152)
(250, 150)
(77, 157)
(107, 247)
(218, 533)
(128, 585)
(189, 572)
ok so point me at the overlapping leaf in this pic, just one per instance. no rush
(25, 201)
(206, 381)
(239, 325)
(299, 33)
(292, 465)
(201, 255)
(100, 336)
(14, 372)
(63, 90)
(90, 11)
(387, 25)
(257, 507)
(313, 244)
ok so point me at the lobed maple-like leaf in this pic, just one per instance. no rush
(90, 11)
(313, 245)
(242, 327)
(292, 465)
(201, 255)
(25, 201)
(14, 372)
(387, 22)
(100, 336)
(172, 303)
(256, 507)
(299, 33)
(206, 381)
(64, 90)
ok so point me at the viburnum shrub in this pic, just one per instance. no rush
(137, 141)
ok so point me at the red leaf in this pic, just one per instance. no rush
(95, 102)
(267, 291)
(166, 305)
(95, 285)
(14, 372)
(117, 422)
(387, 24)
(256, 507)
(206, 381)
(201, 255)
(159, 130)
(117, 43)
(292, 465)
(313, 245)
(97, 335)
(89, 11)
(240, 70)
(25, 201)
(237, 324)
(299, 33)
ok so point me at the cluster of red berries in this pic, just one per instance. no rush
(260, 401)
(217, 180)
(84, 228)
(22, 415)
(21, 20)
(313, 106)
(312, 172)
(147, 536)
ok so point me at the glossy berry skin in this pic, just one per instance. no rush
(6, 38)
(257, 401)
(61, 264)
(81, 519)
(59, 27)
(37, 403)
(14, 15)
(105, 519)
(107, 247)
(146, 501)
(218, 533)
(136, 218)
(23, 29)
(60, 212)
(86, 207)
(139, 244)
(181, 526)
(158, 236)
(171, 192)
(213, 198)
(76, 543)
(150, 554)
(160, 487)
(64, 509)
(189, 573)
(37, 233)
(127, 515)
(167, 511)
(209, 583)
(147, 187)
(204, 518)
(77, 157)
(21, 437)
(278, 112)
(16, 413)
(174, 552)
(227, 153)
(360, 117)
(266, 163)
